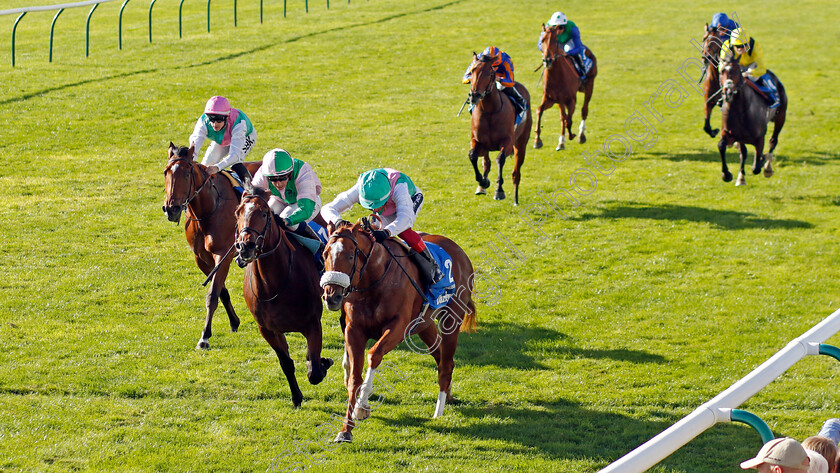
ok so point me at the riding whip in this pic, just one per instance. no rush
(210, 276)
(462, 107)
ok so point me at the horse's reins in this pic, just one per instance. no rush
(487, 91)
(260, 240)
(394, 258)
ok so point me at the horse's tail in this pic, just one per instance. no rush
(469, 324)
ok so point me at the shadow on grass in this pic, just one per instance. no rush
(229, 56)
(570, 431)
(521, 346)
(724, 219)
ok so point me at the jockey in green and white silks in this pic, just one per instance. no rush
(394, 197)
(232, 137)
(295, 190)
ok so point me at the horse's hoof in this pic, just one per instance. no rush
(203, 344)
(343, 437)
(537, 144)
(234, 326)
(485, 183)
(582, 138)
(742, 181)
(768, 172)
(499, 195)
(560, 147)
(715, 132)
(297, 400)
(480, 190)
(361, 412)
(326, 363)
(727, 177)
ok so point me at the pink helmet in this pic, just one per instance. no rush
(217, 106)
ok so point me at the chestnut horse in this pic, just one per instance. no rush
(372, 285)
(745, 116)
(561, 83)
(711, 78)
(494, 129)
(281, 287)
(210, 202)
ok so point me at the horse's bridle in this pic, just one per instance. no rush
(260, 236)
(356, 252)
(192, 185)
(487, 90)
(737, 86)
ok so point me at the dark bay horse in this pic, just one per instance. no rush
(281, 287)
(561, 83)
(494, 129)
(745, 116)
(379, 302)
(210, 202)
(711, 79)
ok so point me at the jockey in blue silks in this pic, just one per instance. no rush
(723, 25)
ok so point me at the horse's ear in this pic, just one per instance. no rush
(475, 56)
(706, 28)
(543, 27)
(192, 152)
(330, 228)
(172, 149)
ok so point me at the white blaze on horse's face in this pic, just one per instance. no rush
(335, 249)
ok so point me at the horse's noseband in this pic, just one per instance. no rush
(342, 279)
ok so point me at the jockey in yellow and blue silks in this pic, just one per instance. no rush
(568, 36)
(396, 200)
(750, 56)
(503, 66)
(723, 25)
(231, 134)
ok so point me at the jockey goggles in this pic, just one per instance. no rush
(279, 177)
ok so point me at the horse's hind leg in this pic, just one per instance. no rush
(778, 123)
(443, 355)
(758, 160)
(281, 348)
(234, 319)
(584, 111)
(316, 367)
(570, 112)
(500, 161)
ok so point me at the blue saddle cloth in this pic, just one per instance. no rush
(440, 293)
(311, 244)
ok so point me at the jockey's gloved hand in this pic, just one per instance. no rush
(380, 235)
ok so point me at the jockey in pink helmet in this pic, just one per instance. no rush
(231, 134)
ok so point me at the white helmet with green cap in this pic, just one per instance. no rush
(277, 163)
(374, 189)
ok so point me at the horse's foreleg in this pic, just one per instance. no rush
(485, 158)
(281, 348)
(742, 154)
(211, 301)
(354, 343)
(482, 180)
(224, 296)
(543, 106)
(726, 175)
(316, 367)
(561, 144)
(500, 162)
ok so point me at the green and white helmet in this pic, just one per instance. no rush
(374, 189)
(277, 163)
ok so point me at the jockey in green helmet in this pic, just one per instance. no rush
(396, 200)
(295, 190)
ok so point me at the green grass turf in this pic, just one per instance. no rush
(661, 289)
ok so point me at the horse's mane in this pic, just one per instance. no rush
(483, 58)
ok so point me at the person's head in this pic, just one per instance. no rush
(217, 111)
(818, 462)
(738, 41)
(719, 21)
(374, 189)
(277, 167)
(558, 20)
(783, 455)
(492, 52)
(825, 447)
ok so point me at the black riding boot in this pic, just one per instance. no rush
(428, 267)
(244, 176)
(518, 100)
(306, 231)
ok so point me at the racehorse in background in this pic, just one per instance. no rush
(372, 284)
(561, 83)
(711, 78)
(494, 129)
(210, 202)
(745, 116)
(281, 287)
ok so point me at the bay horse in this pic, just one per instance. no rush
(711, 78)
(374, 291)
(745, 115)
(281, 287)
(210, 202)
(493, 127)
(561, 83)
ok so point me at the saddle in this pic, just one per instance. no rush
(758, 89)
